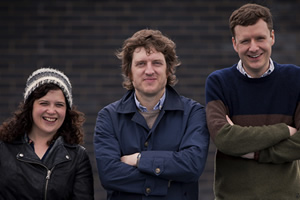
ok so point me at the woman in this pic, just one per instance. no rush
(40, 152)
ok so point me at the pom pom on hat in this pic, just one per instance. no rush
(49, 75)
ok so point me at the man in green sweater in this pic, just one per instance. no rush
(253, 115)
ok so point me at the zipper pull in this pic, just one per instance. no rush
(48, 174)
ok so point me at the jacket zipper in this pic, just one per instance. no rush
(47, 181)
(47, 177)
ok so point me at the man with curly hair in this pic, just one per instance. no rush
(152, 142)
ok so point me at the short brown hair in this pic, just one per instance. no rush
(148, 39)
(249, 14)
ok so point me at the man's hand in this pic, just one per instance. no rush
(130, 159)
(229, 120)
(292, 130)
(248, 155)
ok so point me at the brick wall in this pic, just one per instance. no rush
(80, 38)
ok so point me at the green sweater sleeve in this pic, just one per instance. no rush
(285, 151)
(237, 140)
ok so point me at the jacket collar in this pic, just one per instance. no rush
(172, 101)
(57, 154)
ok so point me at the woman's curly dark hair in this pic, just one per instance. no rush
(148, 39)
(22, 121)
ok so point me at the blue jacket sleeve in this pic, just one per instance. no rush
(186, 164)
(115, 175)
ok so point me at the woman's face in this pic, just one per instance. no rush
(48, 113)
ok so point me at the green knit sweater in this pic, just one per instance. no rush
(260, 109)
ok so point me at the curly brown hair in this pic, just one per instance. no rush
(22, 121)
(249, 14)
(148, 39)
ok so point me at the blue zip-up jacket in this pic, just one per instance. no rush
(173, 152)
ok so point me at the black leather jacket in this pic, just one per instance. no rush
(65, 173)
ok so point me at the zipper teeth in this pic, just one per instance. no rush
(47, 181)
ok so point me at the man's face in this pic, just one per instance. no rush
(148, 73)
(253, 44)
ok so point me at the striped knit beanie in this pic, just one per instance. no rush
(48, 75)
